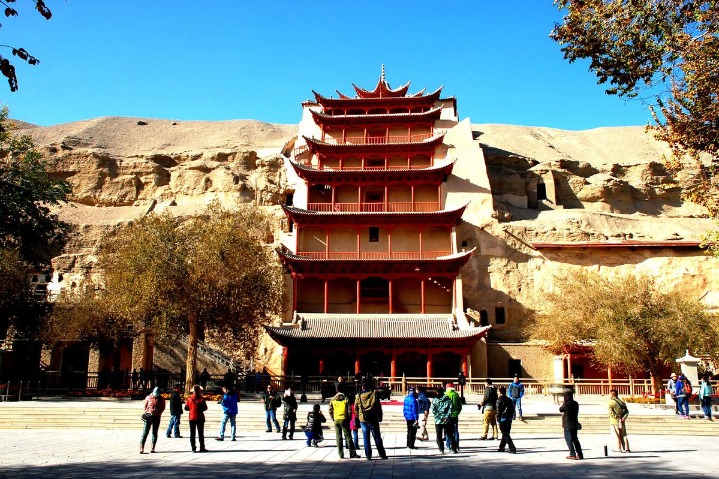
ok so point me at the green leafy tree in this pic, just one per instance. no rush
(632, 324)
(30, 234)
(665, 52)
(27, 191)
(211, 273)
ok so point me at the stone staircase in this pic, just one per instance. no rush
(125, 415)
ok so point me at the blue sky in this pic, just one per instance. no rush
(224, 59)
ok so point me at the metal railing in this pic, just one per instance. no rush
(63, 382)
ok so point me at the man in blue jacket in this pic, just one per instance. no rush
(515, 391)
(229, 407)
(411, 414)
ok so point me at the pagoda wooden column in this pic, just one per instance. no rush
(359, 305)
(327, 240)
(326, 298)
(422, 299)
(322, 365)
(430, 356)
(359, 249)
(333, 198)
(386, 198)
(389, 242)
(464, 362)
(393, 364)
(295, 292)
(439, 196)
(420, 242)
(357, 360)
(390, 296)
(284, 360)
(412, 189)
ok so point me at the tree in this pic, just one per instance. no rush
(665, 52)
(7, 68)
(211, 273)
(30, 234)
(26, 192)
(632, 323)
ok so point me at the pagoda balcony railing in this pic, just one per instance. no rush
(371, 140)
(367, 255)
(363, 168)
(391, 207)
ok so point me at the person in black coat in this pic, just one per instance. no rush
(570, 423)
(505, 412)
(175, 413)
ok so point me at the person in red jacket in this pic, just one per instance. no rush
(154, 405)
(197, 406)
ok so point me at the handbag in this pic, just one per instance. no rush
(147, 417)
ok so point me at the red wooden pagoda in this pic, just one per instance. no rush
(372, 251)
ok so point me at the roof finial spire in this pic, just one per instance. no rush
(382, 76)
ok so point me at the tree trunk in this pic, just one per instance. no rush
(191, 362)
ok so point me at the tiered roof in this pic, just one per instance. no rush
(324, 119)
(447, 265)
(326, 175)
(344, 327)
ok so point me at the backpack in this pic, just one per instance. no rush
(687, 387)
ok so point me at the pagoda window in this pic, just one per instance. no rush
(373, 201)
(399, 110)
(375, 163)
(355, 111)
(377, 111)
(500, 315)
(374, 234)
(376, 135)
(420, 161)
(374, 288)
(483, 318)
(289, 199)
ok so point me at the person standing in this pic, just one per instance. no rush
(671, 387)
(289, 413)
(271, 401)
(516, 393)
(705, 397)
(196, 405)
(340, 414)
(175, 413)
(442, 411)
(487, 406)
(411, 415)
(570, 423)
(369, 410)
(618, 413)
(683, 390)
(154, 405)
(229, 409)
(423, 406)
(354, 425)
(313, 429)
(505, 414)
(454, 416)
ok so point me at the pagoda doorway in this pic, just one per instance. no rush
(339, 363)
(376, 363)
(446, 365)
(412, 364)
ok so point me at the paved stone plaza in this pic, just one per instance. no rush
(99, 454)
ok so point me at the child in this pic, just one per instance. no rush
(313, 429)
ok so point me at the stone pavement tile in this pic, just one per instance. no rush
(110, 455)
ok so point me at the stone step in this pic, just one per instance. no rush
(127, 417)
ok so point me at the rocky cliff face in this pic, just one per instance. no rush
(548, 185)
